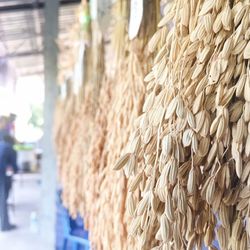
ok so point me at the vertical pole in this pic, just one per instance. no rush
(48, 209)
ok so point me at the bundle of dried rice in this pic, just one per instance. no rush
(76, 113)
(72, 140)
(103, 205)
(125, 105)
(188, 170)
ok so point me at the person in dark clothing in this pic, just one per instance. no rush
(11, 124)
(13, 169)
(7, 164)
(3, 127)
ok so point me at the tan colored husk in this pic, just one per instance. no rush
(201, 145)
(90, 171)
(186, 156)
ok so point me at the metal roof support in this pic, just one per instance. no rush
(48, 212)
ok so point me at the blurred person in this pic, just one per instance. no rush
(3, 127)
(13, 169)
(8, 166)
(7, 125)
(10, 126)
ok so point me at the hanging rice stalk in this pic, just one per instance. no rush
(103, 202)
(188, 172)
(72, 139)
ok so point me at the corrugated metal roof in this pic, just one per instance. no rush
(21, 31)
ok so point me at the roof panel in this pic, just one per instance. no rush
(21, 32)
(14, 2)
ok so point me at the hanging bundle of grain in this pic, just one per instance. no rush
(121, 101)
(77, 111)
(84, 123)
(191, 164)
(63, 122)
(109, 202)
(119, 33)
(72, 141)
(94, 169)
(91, 163)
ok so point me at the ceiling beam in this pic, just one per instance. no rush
(31, 73)
(32, 6)
(25, 54)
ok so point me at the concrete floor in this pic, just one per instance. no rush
(26, 199)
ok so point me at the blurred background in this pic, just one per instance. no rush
(29, 31)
